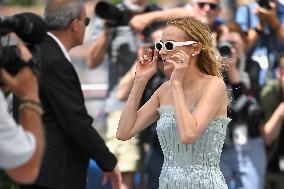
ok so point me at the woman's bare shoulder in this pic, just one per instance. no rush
(218, 88)
(215, 87)
(163, 89)
(216, 82)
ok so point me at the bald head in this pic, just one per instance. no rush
(59, 13)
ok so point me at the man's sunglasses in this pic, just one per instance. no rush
(87, 21)
(213, 6)
(170, 45)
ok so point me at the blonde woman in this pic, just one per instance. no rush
(191, 108)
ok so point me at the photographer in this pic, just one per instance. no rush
(116, 44)
(21, 147)
(263, 22)
(271, 101)
(243, 156)
(209, 12)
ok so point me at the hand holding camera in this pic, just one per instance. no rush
(267, 13)
(17, 62)
(232, 62)
(17, 74)
(227, 51)
(231, 59)
(24, 83)
(31, 29)
(264, 3)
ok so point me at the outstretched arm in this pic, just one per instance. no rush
(141, 21)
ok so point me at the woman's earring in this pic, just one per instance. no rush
(193, 54)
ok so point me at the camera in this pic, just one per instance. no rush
(115, 16)
(11, 61)
(225, 49)
(31, 29)
(264, 3)
(248, 109)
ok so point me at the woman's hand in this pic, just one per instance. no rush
(147, 65)
(180, 63)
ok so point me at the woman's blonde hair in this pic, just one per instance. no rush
(209, 59)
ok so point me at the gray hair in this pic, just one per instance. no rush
(59, 13)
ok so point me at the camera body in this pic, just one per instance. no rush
(114, 15)
(225, 49)
(30, 28)
(247, 108)
(264, 3)
(11, 61)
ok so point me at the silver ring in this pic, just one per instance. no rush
(180, 61)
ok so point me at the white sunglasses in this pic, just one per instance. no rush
(170, 45)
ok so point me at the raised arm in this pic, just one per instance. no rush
(273, 126)
(133, 120)
(212, 102)
(126, 82)
(98, 49)
(141, 21)
(25, 86)
(270, 17)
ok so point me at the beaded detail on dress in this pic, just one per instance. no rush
(191, 166)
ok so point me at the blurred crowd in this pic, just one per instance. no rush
(250, 37)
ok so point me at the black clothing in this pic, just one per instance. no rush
(70, 138)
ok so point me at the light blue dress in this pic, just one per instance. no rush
(191, 166)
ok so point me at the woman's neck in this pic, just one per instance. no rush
(192, 75)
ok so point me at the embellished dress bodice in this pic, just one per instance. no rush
(191, 166)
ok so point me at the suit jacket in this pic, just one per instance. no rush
(70, 138)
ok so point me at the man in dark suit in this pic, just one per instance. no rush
(71, 139)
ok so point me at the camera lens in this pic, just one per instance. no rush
(225, 49)
(264, 3)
